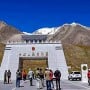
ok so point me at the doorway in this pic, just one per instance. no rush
(33, 63)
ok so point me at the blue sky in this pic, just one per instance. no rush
(30, 15)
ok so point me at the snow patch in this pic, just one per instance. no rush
(73, 24)
(45, 31)
(53, 30)
(27, 33)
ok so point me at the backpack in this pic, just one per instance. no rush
(19, 75)
(57, 74)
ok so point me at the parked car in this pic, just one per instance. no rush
(75, 75)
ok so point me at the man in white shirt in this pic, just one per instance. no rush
(30, 76)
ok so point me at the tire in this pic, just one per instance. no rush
(68, 78)
(80, 79)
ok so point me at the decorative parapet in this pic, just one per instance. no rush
(33, 42)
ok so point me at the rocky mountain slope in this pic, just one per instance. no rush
(7, 31)
(72, 34)
(76, 44)
(2, 47)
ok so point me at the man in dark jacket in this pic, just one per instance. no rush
(5, 77)
(9, 76)
(57, 75)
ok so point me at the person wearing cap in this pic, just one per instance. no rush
(48, 79)
(88, 75)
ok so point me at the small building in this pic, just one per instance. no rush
(33, 55)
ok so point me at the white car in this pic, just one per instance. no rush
(75, 75)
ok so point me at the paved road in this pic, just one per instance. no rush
(65, 85)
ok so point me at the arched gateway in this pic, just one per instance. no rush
(33, 55)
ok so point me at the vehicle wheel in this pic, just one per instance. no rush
(72, 79)
(68, 78)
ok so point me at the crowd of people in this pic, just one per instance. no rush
(39, 75)
(48, 75)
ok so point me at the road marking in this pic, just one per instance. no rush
(20, 85)
(79, 85)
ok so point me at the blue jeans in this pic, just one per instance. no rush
(17, 82)
(58, 84)
(52, 84)
(48, 84)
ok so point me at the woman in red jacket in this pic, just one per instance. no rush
(88, 75)
(51, 78)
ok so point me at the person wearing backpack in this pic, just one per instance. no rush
(18, 78)
(57, 75)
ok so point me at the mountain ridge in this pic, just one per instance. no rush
(75, 39)
(73, 33)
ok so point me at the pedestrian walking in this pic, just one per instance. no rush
(88, 75)
(57, 75)
(5, 77)
(30, 76)
(8, 76)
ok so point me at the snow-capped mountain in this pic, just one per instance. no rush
(53, 30)
(71, 33)
(45, 31)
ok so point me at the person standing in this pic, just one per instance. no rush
(57, 75)
(41, 75)
(8, 76)
(30, 76)
(38, 80)
(5, 77)
(51, 78)
(48, 80)
(24, 74)
(88, 75)
(18, 78)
